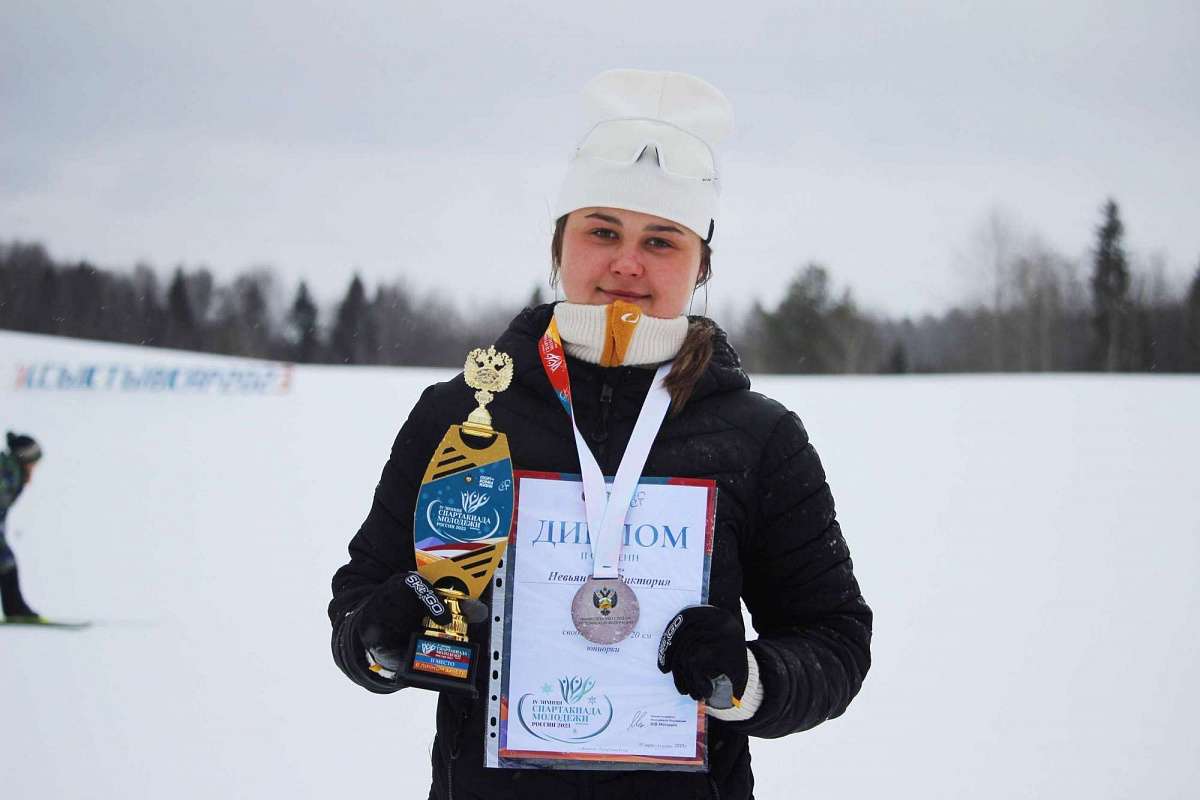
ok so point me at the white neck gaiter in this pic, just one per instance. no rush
(582, 328)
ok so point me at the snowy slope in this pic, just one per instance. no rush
(1030, 546)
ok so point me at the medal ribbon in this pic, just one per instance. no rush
(606, 512)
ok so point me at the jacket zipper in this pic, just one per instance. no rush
(600, 435)
(454, 752)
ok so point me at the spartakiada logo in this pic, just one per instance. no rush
(577, 714)
(473, 501)
(464, 523)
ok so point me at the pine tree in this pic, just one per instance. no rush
(395, 322)
(181, 321)
(49, 303)
(1191, 325)
(1110, 293)
(22, 269)
(897, 361)
(254, 317)
(152, 317)
(200, 291)
(536, 298)
(303, 320)
(799, 335)
(351, 341)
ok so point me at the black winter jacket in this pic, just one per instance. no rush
(777, 547)
(12, 481)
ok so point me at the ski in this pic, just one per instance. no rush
(43, 622)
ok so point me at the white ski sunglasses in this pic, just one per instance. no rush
(622, 141)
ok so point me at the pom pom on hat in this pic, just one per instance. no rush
(649, 147)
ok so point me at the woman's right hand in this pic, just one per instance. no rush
(396, 609)
(392, 614)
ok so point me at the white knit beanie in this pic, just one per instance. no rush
(649, 147)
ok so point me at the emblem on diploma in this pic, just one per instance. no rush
(460, 528)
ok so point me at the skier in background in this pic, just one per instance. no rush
(16, 469)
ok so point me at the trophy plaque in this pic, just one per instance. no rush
(460, 529)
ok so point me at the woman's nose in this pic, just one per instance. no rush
(627, 263)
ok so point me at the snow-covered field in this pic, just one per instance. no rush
(1030, 546)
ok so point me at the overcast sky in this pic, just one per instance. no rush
(426, 140)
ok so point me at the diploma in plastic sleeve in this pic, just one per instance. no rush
(559, 700)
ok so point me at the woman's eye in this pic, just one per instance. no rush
(604, 233)
(659, 244)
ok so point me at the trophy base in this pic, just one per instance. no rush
(443, 665)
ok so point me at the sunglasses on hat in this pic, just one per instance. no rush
(623, 141)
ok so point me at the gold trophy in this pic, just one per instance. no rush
(460, 529)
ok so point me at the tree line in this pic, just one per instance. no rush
(241, 317)
(1039, 311)
(1037, 314)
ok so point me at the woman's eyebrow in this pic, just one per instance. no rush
(605, 218)
(614, 221)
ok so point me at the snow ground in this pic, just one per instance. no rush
(1029, 544)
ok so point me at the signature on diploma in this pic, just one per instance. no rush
(639, 720)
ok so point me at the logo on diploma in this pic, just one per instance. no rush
(573, 714)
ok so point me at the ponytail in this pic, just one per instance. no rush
(690, 362)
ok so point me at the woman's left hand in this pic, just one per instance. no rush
(700, 644)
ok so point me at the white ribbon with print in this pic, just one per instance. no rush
(606, 514)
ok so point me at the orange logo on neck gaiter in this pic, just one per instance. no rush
(620, 321)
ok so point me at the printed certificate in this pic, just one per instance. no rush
(558, 700)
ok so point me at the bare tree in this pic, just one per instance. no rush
(994, 248)
(1038, 306)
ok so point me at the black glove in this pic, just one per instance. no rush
(397, 609)
(699, 645)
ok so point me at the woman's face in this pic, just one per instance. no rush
(612, 254)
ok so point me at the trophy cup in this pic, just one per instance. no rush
(460, 529)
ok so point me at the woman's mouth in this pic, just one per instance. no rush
(620, 295)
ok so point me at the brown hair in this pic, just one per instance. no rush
(692, 359)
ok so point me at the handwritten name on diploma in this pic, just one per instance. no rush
(554, 576)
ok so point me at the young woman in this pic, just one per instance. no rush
(632, 243)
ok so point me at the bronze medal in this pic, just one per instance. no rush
(605, 610)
